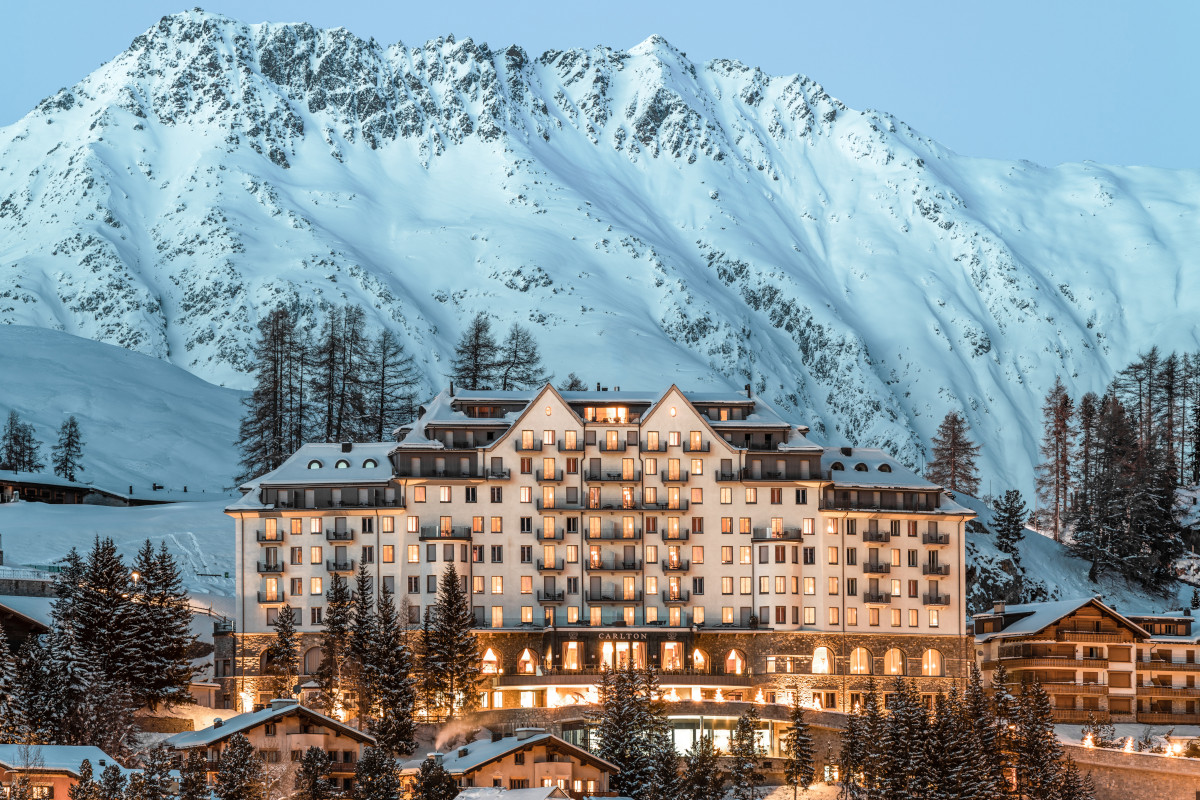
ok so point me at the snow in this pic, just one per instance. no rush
(896, 476)
(252, 719)
(59, 758)
(1039, 616)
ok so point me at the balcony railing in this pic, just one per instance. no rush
(680, 596)
(544, 535)
(1163, 718)
(268, 538)
(676, 565)
(556, 475)
(339, 536)
(614, 534)
(613, 565)
(1160, 664)
(786, 534)
(935, 538)
(661, 447)
(497, 474)
(551, 566)
(1097, 637)
(680, 505)
(1060, 662)
(563, 447)
(725, 476)
(695, 447)
(876, 598)
(936, 599)
(935, 570)
(1151, 690)
(765, 475)
(534, 446)
(346, 565)
(550, 597)
(612, 447)
(268, 568)
(614, 597)
(559, 505)
(876, 568)
(681, 535)
(877, 536)
(270, 597)
(677, 477)
(1080, 715)
(453, 532)
(1069, 687)
(613, 476)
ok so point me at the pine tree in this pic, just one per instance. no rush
(283, 653)
(905, 731)
(454, 649)
(111, 784)
(335, 644)
(799, 770)
(364, 637)
(66, 455)
(163, 635)
(434, 783)
(978, 714)
(1072, 785)
(11, 707)
(193, 777)
(1102, 733)
(519, 364)
(239, 773)
(701, 773)
(375, 776)
(156, 774)
(85, 788)
(745, 756)
(41, 712)
(392, 664)
(476, 355)
(312, 779)
(104, 615)
(852, 758)
(573, 383)
(953, 463)
(1009, 523)
(1038, 752)
(1057, 450)
(393, 383)
(20, 449)
(21, 788)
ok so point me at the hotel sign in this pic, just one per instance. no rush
(622, 636)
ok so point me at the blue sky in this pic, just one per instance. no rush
(1051, 81)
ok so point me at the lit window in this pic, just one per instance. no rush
(370, 463)
(314, 465)
(497, 584)
(822, 661)
(342, 464)
(526, 586)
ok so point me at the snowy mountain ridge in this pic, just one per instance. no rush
(653, 217)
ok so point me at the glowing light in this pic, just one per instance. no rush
(247, 701)
(339, 711)
(672, 695)
(592, 695)
(1129, 745)
(1088, 741)
(759, 698)
(720, 698)
(1176, 748)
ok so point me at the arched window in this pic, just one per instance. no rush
(370, 463)
(893, 662)
(931, 663)
(885, 467)
(700, 661)
(735, 663)
(312, 660)
(822, 661)
(860, 467)
(837, 465)
(314, 464)
(342, 464)
(860, 661)
(528, 663)
(491, 664)
(266, 664)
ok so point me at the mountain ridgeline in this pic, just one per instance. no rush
(650, 218)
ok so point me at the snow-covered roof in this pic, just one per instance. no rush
(252, 719)
(316, 464)
(479, 753)
(45, 478)
(496, 793)
(1035, 617)
(56, 758)
(871, 468)
(35, 609)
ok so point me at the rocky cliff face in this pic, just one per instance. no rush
(657, 219)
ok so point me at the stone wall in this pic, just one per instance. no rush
(1124, 776)
(24, 587)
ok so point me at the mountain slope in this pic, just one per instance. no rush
(654, 217)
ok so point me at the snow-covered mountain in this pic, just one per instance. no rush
(654, 217)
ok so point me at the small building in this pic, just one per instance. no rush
(531, 759)
(281, 733)
(494, 793)
(52, 769)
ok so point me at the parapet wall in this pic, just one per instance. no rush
(1118, 775)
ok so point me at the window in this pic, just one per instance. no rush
(764, 584)
(726, 585)
(314, 555)
(418, 494)
(833, 585)
(810, 615)
(895, 617)
(806, 525)
(801, 497)
(933, 617)
(297, 587)
(414, 524)
(315, 586)
(727, 615)
(526, 585)
(368, 554)
(810, 555)
(444, 494)
(526, 554)
(860, 661)
(414, 554)
(913, 618)
(851, 556)
(822, 663)
(314, 465)
(744, 525)
(751, 495)
(526, 494)
(697, 466)
(776, 497)
(697, 586)
(744, 554)
(727, 555)
(697, 495)
(745, 585)
(912, 558)
(810, 585)
(497, 524)
(315, 615)
(526, 466)
(477, 584)
(873, 617)
(342, 464)
(726, 499)
(931, 663)
(431, 584)
(852, 587)
(497, 553)
(833, 615)
(697, 554)
(297, 555)
(851, 616)
(497, 584)
(833, 555)
(735, 661)
(388, 524)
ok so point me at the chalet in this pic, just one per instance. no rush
(52, 769)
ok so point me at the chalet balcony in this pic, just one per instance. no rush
(544, 535)
(600, 598)
(1071, 688)
(550, 566)
(681, 535)
(1078, 715)
(766, 534)
(612, 447)
(876, 568)
(935, 539)
(1049, 662)
(271, 597)
(556, 475)
(455, 532)
(339, 536)
(1154, 690)
(696, 447)
(1161, 718)
(497, 474)
(876, 598)
(534, 446)
(661, 447)
(680, 596)
(1093, 637)
(614, 535)
(935, 570)
(563, 447)
(613, 565)
(1173, 666)
(613, 476)
(559, 505)
(676, 477)
(270, 568)
(936, 599)
(881, 537)
(550, 597)
(346, 565)
(676, 565)
(268, 538)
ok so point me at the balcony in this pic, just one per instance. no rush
(612, 447)
(765, 475)
(1069, 687)
(935, 570)
(559, 505)
(661, 447)
(677, 477)
(550, 597)
(339, 536)
(695, 447)
(936, 599)
(1162, 718)
(678, 596)
(725, 477)
(552, 566)
(549, 536)
(613, 565)
(270, 567)
(497, 474)
(876, 598)
(617, 476)
(679, 505)
(1052, 662)
(614, 535)
(1078, 715)
(882, 537)
(935, 539)
(454, 532)
(1095, 637)
(556, 475)
(1176, 666)
(346, 565)
(766, 534)
(534, 446)
(599, 598)
(563, 447)
(677, 536)
(269, 538)
(271, 597)
(1152, 690)
(676, 565)
(876, 568)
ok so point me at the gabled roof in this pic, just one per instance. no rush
(496, 793)
(480, 753)
(252, 719)
(56, 758)
(1036, 617)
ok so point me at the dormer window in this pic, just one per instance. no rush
(860, 467)
(885, 467)
(342, 464)
(370, 463)
(314, 464)
(837, 466)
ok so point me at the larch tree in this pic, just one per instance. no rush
(953, 464)
(518, 362)
(1057, 450)
(476, 355)
(392, 379)
(67, 455)
(273, 425)
(573, 383)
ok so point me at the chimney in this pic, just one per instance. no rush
(462, 752)
(218, 722)
(283, 702)
(997, 606)
(525, 733)
(347, 447)
(452, 388)
(748, 390)
(102, 763)
(497, 736)
(436, 756)
(597, 386)
(847, 451)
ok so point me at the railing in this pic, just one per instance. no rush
(725, 476)
(613, 476)
(555, 535)
(498, 474)
(681, 505)
(1069, 687)
(559, 505)
(553, 566)
(876, 598)
(589, 673)
(1154, 663)
(1163, 718)
(877, 536)
(620, 597)
(533, 447)
(661, 447)
(1150, 690)
(563, 447)
(270, 567)
(935, 538)
(615, 565)
(614, 535)
(1078, 714)
(1093, 636)
(340, 566)
(549, 597)
(557, 475)
(787, 534)
(678, 565)
(679, 477)
(339, 536)
(936, 599)
(1061, 662)
(702, 447)
(679, 535)
(876, 568)
(453, 532)
(269, 538)
(681, 596)
(935, 570)
(612, 447)
(270, 597)
(765, 475)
